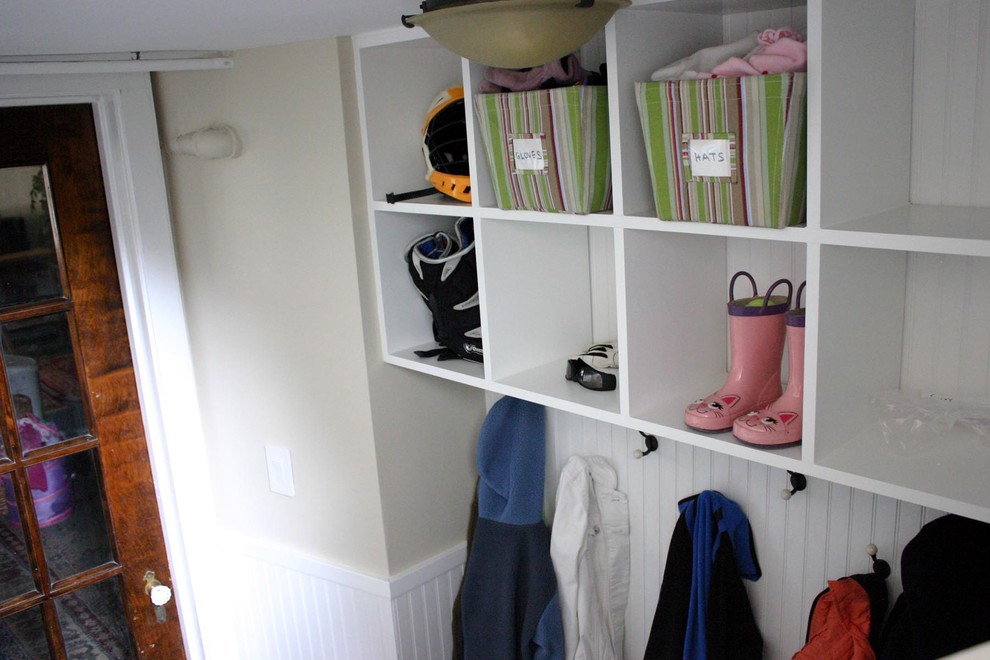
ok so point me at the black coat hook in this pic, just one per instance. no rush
(798, 483)
(880, 567)
(651, 445)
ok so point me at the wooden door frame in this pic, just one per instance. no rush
(127, 131)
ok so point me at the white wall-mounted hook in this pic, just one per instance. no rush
(212, 142)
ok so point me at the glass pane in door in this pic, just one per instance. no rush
(22, 636)
(28, 260)
(93, 622)
(71, 517)
(40, 365)
(15, 569)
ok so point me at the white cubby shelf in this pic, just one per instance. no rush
(895, 250)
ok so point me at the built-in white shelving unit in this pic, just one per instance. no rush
(896, 251)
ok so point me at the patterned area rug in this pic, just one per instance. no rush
(92, 625)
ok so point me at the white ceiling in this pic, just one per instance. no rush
(47, 27)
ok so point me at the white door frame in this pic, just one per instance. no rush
(129, 146)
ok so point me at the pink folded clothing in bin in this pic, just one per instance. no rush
(780, 50)
(782, 56)
(51, 487)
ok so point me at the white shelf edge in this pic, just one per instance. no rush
(604, 220)
(557, 404)
(454, 209)
(915, 228)
(887, 489)
(432, 367)
(789, 234)
(725, 443)
(547, 381)
(903, 243)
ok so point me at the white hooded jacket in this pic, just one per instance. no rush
(589, 547)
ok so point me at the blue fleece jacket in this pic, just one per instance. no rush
(509, 594)
(708, 517)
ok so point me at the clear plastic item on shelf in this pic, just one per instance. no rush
(912, 422)
(974, 416)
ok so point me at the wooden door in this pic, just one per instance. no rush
(79, 526)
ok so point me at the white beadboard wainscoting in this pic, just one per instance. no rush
(290, 607)
(287, 606)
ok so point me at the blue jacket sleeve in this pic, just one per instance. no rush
(548, 640)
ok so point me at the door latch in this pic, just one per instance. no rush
(159, 594)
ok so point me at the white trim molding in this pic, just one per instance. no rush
(128, 136)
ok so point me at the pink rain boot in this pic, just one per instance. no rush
(756, 341)
(779, 424)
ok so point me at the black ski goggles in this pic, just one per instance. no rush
(589, 377)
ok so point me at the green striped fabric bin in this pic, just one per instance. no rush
(548, 149)
(727, 150)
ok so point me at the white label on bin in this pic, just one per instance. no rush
(709, 158)
(528, 154)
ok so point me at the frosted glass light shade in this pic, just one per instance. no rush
(515, 34)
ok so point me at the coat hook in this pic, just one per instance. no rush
(651, 445)
(880, 567)
(798, 483)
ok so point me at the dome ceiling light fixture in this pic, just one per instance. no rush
(513, 34)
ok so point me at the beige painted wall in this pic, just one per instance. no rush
(269, 279)
(276, 267)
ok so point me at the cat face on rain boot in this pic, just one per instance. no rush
(716, 411)
(766, 426)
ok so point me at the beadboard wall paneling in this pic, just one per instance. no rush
(817, 535)
(286, 606)
(951, 135)
(946, 341)
(421, 604)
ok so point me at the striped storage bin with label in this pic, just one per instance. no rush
(548, 149)
(727, 150)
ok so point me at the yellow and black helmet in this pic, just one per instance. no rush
(445, 145)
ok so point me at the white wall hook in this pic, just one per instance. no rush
(212, 142)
